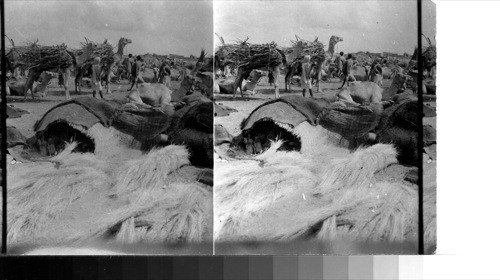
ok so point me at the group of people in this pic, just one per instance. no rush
(134, 67)
(344, 68)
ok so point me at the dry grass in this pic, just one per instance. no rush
(154, 197)
(284, 196)
(40, 192)
(151, 172)
(186, 214)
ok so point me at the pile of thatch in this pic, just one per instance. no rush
(42, 58)
(325, 194)
(250, 56)
(76, 197)
(315, 49)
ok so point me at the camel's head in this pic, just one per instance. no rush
(257, 75)
(335, 39)
(124, 41)
(46, 76)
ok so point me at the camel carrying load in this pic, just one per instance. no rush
(86, 54)
(37, 59)
(247, 57)
(42, 58)
(104, 51)
(315, 49)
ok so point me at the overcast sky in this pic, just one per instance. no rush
(375, 26)
(162, 27)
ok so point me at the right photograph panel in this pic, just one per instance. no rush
(317, 127)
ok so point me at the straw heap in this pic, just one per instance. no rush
(250, 56)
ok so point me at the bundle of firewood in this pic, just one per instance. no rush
(250, 56)
(41, 58)
(314, 49)
(104, 51)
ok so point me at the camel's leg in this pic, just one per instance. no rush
(287, 79)
(318, 76)
(66, 75)
(237, 83)
(29, 84)
(17, 73)
(108, 79)
(78, 77)
(276, 73)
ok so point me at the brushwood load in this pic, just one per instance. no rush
(250, 56)
(43, 58)
(315, 49)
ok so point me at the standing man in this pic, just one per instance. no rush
(305, 80)
(375, 69)
(128, 65)
(164, 75)
(348, 76)
(137, 73)
(96, 77)
(340, 61)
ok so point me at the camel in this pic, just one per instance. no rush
(227, 86)
(159, 94)
(116, 61)
(293, 69)
(323, 67)
(34, 74)
(12, 56)
(275, 71)
(242, 73)
(369, 92)
(151, 94)
(82, 69)
(18, 87)
(329, 57)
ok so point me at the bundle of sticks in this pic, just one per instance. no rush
(250, 56)
(42, 58)
(104, 51)
(315, 49)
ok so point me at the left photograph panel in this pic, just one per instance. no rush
(110, 127)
